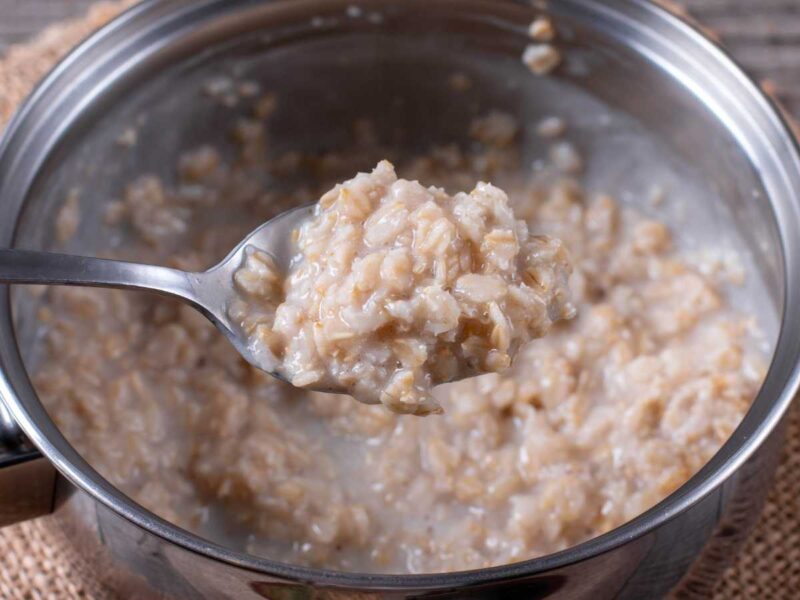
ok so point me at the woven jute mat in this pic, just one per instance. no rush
(34, 563)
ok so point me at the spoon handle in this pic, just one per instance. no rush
(27, 267)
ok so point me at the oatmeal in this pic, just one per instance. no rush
(541, 59)
(397, 287)
(551, 128)
(68, 218)
(594, 424)
(542, 30)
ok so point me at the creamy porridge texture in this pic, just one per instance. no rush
(594, 423)
(542, 57)
(397, 287)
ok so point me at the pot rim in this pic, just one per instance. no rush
(784, 372)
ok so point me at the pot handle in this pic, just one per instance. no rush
(27, 479)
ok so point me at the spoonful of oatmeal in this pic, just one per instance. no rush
(381, 290)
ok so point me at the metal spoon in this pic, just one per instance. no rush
(210, 292)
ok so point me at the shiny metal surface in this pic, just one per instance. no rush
(210, 292)
(643, 62)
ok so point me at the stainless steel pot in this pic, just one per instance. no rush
(331, 63)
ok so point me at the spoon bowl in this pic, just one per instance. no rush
(210, 292)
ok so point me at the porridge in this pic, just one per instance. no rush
(541, 57)
(593, 424)
(397, 287)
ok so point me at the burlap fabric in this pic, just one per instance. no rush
(34, 563)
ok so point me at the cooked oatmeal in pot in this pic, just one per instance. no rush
(397, 287)
(595, 423)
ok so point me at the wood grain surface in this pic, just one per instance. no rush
(763, 35)
(20, 19)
